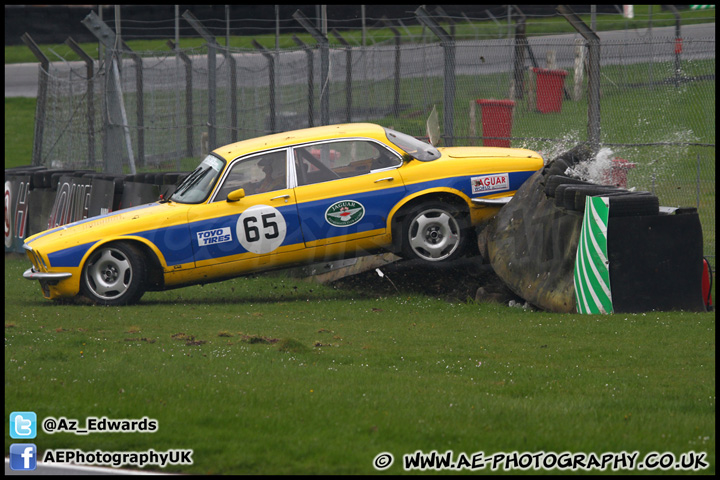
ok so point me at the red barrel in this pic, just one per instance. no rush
(496, 121)
(619, 171)
(550, 85)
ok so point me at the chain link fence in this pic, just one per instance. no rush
(657, 103)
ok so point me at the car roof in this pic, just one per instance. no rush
(305, 135)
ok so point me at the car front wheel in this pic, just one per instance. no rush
(433, 232)
(114, 275)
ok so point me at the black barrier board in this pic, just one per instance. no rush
(135, 194)
(22, 183)
(41, 203)
(71, 200)
(16, 210)
(656, 263)
(101, 197)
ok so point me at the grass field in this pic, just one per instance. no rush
(272, 375)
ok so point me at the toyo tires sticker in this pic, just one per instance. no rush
(261, 229)
(344, 213)
(213, 237)
(490, 183)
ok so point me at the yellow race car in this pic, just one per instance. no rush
(281, 200)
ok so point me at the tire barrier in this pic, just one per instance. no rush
(37, 198)
(652, 257)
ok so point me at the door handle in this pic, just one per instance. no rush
(386, 179)
(286, 197)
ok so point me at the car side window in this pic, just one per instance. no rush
(341, 159)
(257, 174)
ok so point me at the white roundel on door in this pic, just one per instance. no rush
(261, 229)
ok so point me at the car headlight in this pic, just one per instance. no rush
(38, 261)
(42, 261)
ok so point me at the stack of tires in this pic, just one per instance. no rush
(654, 254)
(570, 193)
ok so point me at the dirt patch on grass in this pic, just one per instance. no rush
(458, 280)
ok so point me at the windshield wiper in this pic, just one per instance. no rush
(191, 180)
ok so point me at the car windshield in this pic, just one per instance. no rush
(198, 185)
(412, 146)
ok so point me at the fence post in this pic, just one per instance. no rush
(593, 72)
(348, 75)
(448, 45)
(271, 68)
(579, 69)
(678, 42)
(443, 14)
(233, 96)
(212, 80)
(324, 45)
(89, 65)
(139, 104)
(311, 87)
(188, 98)
(499, 25)
(113, 108)
(44, 71)
(398, 42)
(517, 84)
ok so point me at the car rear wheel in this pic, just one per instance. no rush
(434, 232)
(114, 275)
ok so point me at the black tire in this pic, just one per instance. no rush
(634, 205)
(434, 232)
(581, 197)
(556, 167)
(575, 196)
(115, 274)
(560, 194)
(556, 180)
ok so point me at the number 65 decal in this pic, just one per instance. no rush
(261, 229)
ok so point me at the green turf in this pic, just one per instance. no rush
(272, 375)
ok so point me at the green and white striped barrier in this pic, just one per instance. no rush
(592, 268)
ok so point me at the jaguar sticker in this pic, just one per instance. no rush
(344, 213)
(490, 183)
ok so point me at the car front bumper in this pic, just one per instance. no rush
(48, 281)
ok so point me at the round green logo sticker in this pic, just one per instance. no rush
(344, 213)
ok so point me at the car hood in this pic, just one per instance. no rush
(487, 152)
(119, 223)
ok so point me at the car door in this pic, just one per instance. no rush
(262, 224)
(345, 189)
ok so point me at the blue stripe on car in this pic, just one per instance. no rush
(377, 206)
(69, 257)
(176, 242)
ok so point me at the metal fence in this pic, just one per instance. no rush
(657, 102)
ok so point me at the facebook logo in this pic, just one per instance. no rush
(23, 456)
(23, 425)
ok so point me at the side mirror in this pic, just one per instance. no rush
(236, 195)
